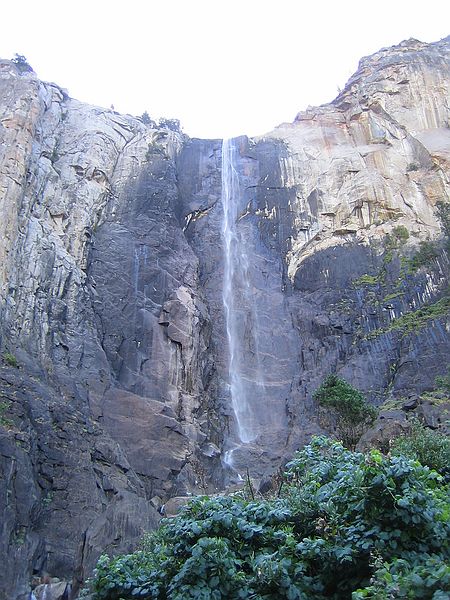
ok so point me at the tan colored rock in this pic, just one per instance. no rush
(137, 422)
(376, 157)
(172, 507)
(52, 591)
(21, 108)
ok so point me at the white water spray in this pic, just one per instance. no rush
(238, 302)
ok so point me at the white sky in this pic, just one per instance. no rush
(223, 67)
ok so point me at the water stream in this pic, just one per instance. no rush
(245, 375)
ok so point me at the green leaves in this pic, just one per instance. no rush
(348, 525)
(344, 406)
(430, 447)
(426, 577)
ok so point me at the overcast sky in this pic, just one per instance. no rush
(223, 68)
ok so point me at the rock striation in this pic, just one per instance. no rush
(114, 384)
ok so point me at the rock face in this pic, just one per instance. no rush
(114, 379)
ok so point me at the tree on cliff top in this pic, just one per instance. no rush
(21, 63)
(345, 408)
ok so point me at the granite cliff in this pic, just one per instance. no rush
(114, 381)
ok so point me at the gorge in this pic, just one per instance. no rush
(169, 305)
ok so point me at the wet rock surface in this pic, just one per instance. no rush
(114, 374)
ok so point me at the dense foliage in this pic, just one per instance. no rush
(347, 525)
(431, 448)
(430, 250)
(346, 408)
(443, 214)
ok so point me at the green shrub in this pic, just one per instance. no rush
(430, 250)
(366, 280)
(427, 252)
(10, 359)
(345, 407)
(400, 233)
(397, 238)
(342, 518)
(429, 447)
(4, 407)
(402, 579)
(443, 214)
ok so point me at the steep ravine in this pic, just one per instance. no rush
(114, 376)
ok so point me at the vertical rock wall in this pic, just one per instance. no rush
(114, 371)
(104, 334)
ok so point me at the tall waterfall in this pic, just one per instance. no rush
(245, 375)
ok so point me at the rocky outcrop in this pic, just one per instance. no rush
(114, 377)
(104, 333)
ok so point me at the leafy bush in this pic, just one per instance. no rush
(400, 233)
(346, 407)
(427, 252)
(366, 279)
(443, 213)
(4, 407)
(397, 238)
(401, 579)
(345, 522)
(10, 359)
(429, 447)
(415, 320)
(430, 250)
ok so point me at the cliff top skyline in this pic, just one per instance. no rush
(223, 69)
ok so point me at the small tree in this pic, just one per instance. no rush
(145, 118)
(346, 408)
(443, 213)
(172, 124)
(21, 63)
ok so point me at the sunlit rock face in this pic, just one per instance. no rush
(376, 156)
(112, 268)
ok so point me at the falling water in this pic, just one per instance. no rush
(240, 319)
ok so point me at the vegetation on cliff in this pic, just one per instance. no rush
(345, 408)
(431, 448)
(344, 525)
(21, 63)
(401, 299)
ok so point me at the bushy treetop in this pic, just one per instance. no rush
(346, 406)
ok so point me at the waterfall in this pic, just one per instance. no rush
(245, 375)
